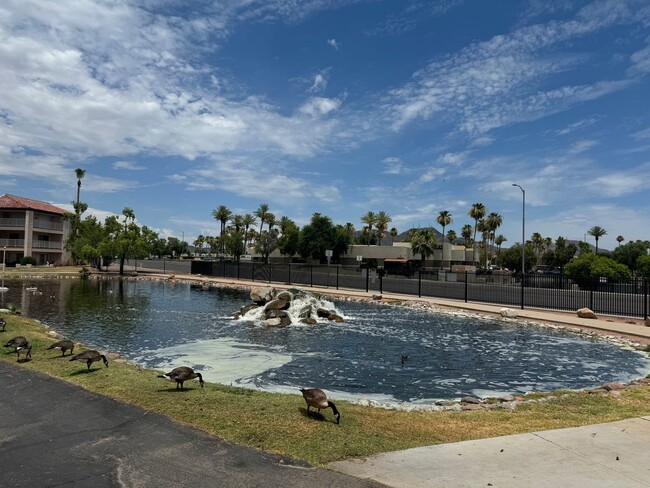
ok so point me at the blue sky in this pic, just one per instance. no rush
(332, 106)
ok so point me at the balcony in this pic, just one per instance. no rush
(5, 222)
(38, 224)
(13, 243)
(46, 245)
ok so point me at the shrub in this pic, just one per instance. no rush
(27, 260)
(588, 266)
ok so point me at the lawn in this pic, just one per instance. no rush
(278, 423)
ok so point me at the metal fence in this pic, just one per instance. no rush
(557, 292)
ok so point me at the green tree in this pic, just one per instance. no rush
(261, 213)
(248, 220)
(222, 214)
(561, 255)
(233, 243)
(444, 219)
(289, 240)
(499, 240)
(466, 234)
(643, 266)
(266, 244)
(589, 267)
(476, 212)
(320, 235)
(382, 219)
(620, 239)
(451, 236)
(629, 253)
(369, 218)
(510, 258)
(597, 232)
(423, 242)
(393, 234)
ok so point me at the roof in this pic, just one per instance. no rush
(12, 201)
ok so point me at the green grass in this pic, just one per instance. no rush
(279, 424)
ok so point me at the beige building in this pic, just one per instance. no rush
(32, 228)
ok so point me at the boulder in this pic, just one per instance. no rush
(469, 399)
(285, 295)
(262, 294)
(55, 335)
(646, 322)
(277, 304)
(323, 313)
(277, 322)
(613, 386)
(509, 313)
(305, 312)
(309, 321)
(585, 313)
(247, 308)
(335, 318)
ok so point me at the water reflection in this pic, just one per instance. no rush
(163, 325)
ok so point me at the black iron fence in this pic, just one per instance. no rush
(557, 292)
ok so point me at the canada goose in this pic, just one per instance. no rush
(19, 343)
(64, 345)
(3, 324)
(316, 398)
(182, 374)
(90, 356)
(404, 358)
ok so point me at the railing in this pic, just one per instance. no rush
(46, 245)
(12, 243)
(44, 224)
(557, 292)
(8, 222)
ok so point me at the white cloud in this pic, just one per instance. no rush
(393, 166)
(580, 124)
(431, 174)
(128, 165)
(582, 146)
(320, 83)
(317, 106)
(333, 42)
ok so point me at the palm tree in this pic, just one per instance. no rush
(597, 232)
(393, 234)
(369, 219)
(237, 222)
(270, 221)
(80, 173)
(247, 221)
(444, 219)
(620, 239)
(198, 242)
(222, 214)
(538, 245)
(498, 240)
(284, 223)
(423, 242)
(451, 236)
(466, 234)
(382, 219)
(261, 213)
(477, 212)
(493, 221)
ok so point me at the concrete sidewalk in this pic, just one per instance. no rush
(612, 455)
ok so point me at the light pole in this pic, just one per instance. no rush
(523, 241)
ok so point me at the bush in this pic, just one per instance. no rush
(27, 260)
(588, 267)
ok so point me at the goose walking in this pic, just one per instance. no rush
(90, 357)
(181, 375)
(64, 345)
(19, 343)
(316, 398)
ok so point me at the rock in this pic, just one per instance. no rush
(305, 312)
(469, 399)
(613, 386)
(444, 403)
(285, 295)
(277, 322)
(55, 335)
(509, 312)
(235, 315)
(376, 297)
(308, 321)
(285, 318)
(646, 322)
(506, 398)
(323, 313)
(112, 356)
(585, 313)
(277, 304)
(247, 308)
(335, 318)
(262, 294)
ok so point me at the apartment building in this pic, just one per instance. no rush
(32, 228)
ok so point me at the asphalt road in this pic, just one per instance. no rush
(53, 433)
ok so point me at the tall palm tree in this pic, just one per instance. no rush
(444, 219)
(597, 232)
(369, 219)
(270, 221)
(498, 240)
(237, 222)
(261, 213)
(477, 212)
(79, 173)
(284, 223)
(466, 234)
(493, 221)
(620, 239)
(451, 236)
(198, 242)
(247, 221)
(222, 214)
(423, 242)
(382, 219)
(538, 245)
(349, 228)
(393, 234)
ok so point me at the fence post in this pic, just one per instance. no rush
(238, 263)
(523, 283)
(367, 278)
(337, 276)
(645, 299)
(311, 275)
(420, 283)
(253, 272)
(381, 284)
(289, 273)
(591, 294)
(270, 272)
(466, 286)
(224, 268)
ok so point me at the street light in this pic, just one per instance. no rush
(523, 230)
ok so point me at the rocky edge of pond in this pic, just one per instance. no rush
(468, 403)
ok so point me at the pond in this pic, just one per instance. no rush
(162, 325)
